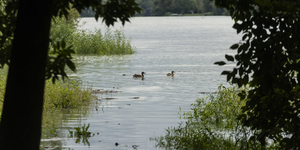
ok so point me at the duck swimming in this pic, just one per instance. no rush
(138, 75)
(171, 74)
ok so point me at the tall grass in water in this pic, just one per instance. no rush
(63, 101)
(212, 124)
(68, 94)
(94, 42)
(86, 41)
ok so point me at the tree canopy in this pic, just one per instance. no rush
(267, 60)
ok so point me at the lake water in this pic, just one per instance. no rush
(145, 108)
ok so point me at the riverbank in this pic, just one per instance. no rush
(65, 95)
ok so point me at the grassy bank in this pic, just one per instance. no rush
(64, 95)
(212, 124)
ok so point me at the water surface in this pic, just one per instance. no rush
(144, 108)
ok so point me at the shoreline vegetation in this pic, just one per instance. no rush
(67, 94)
(64, 96)
(86, 42)
(212, 124)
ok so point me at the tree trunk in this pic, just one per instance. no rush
(21, 120)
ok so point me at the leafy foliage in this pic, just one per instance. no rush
(269, 54)
(82, 134)
(8, 13)
(67, 94)
(212, 124)
(56, 65)
(107, 43)
(110, 10)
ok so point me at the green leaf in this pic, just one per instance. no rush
(71, 65)
(229, 58)
(242, 95)
(225, 73)
(234, 46)
(246, 79)
(220, 63)
(262, 2)
(63, 44)
(229, 77)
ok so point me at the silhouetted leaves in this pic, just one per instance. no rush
(270, 39)
(234, 46)
(59, 58)
(229, 58)
(220, 63)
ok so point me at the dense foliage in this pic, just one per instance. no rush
(68, 94)
(212, 124)
(99, 42)
(268, 60)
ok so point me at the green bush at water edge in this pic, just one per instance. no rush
(85, 41)
(212, 124)
(93, 42)
(66, 94)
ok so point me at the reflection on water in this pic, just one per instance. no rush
(58, 122)
(145, 107)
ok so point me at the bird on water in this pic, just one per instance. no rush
(171, 74)
(138, 75)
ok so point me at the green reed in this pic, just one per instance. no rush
(109, 43)
(212, 124)
(67, 94)
(86, 41)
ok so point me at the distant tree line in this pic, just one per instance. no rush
(169, 7)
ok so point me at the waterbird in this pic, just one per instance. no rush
(171, 74)
(138, 75)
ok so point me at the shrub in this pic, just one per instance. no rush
(86, 41)
(94, 42)
(212, 124)
(65, 94)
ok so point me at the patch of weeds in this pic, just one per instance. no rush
(212, 124)
(66, 94)
(81, 134)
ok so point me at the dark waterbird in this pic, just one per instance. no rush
(171, 74)
(138, 75)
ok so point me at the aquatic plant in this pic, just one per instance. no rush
(212, 124)
(84, 41)
(81, 131)
(66, 94)
(82, 134)
(62, 94)
(109, 43)
(58, 97)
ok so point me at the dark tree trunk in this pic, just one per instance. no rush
(23, 103)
